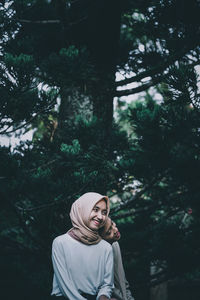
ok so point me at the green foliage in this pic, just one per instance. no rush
(18, 63)
(164, 156)
(71, 149)
(58, 64)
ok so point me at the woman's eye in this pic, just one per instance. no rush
(104, 213)
(95, 209)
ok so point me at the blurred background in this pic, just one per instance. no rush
(101, 95)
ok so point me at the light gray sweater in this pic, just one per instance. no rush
(121, 290)
(81, 268)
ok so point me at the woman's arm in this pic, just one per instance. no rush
(106, 288)
(61, 272)
(122, 289)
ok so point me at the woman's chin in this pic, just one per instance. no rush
(94, 225)
(118, 236)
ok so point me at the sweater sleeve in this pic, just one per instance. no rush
(107, 285)
(122, 289)
(62, 273)
(118, 294)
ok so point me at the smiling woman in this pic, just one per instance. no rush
(98, 215)
(82, 261)
(110, 232)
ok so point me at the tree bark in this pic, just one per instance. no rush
(73, 103)
(102, 98)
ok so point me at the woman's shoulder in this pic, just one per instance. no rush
(115, 245)
(61, 239)
(116, 248)
(105, 245)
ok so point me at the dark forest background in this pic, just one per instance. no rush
(58, 66)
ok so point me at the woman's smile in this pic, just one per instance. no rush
(98, 215)
(118, 235)
(97, 222)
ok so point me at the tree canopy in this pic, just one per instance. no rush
(59, 61)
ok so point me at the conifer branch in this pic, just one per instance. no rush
(125, 204)
(138, 89)
(44, 110)
(154, 70)
(39, 21)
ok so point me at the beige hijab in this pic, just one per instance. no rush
(80, 213)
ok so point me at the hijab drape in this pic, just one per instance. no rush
(79, 215)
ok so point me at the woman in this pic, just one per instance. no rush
(82, 261)
(111, 234)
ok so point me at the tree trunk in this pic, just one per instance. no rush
(73, 103)
(102, 98)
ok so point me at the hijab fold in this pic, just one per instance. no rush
(80, 214)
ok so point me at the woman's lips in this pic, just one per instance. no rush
(118, 234)
(96, 222)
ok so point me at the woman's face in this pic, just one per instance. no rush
(98, 215)
(110, 232)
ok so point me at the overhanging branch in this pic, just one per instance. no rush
(149, 84)
(138, 89)
(154, 70)
(148, 73)
(127, 203)
(131, 200)
(39, 21)
(44, 110)
(132, 212)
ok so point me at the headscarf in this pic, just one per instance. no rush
(79, 215)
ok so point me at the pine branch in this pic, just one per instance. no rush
(26, 230)
(43, 165)
(123, 215)
(39, 21)
(153, 71)
(40, 207)
(151, 83)
(137, 195)
(126, 204)
(45, 22)
(148, 73)
(44, 110)
(132, 212)
(53, 203)
(138, 89)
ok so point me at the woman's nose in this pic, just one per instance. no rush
(99, 215)
(115, 229)
(115, 226)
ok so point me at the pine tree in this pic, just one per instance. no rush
(58, 65)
